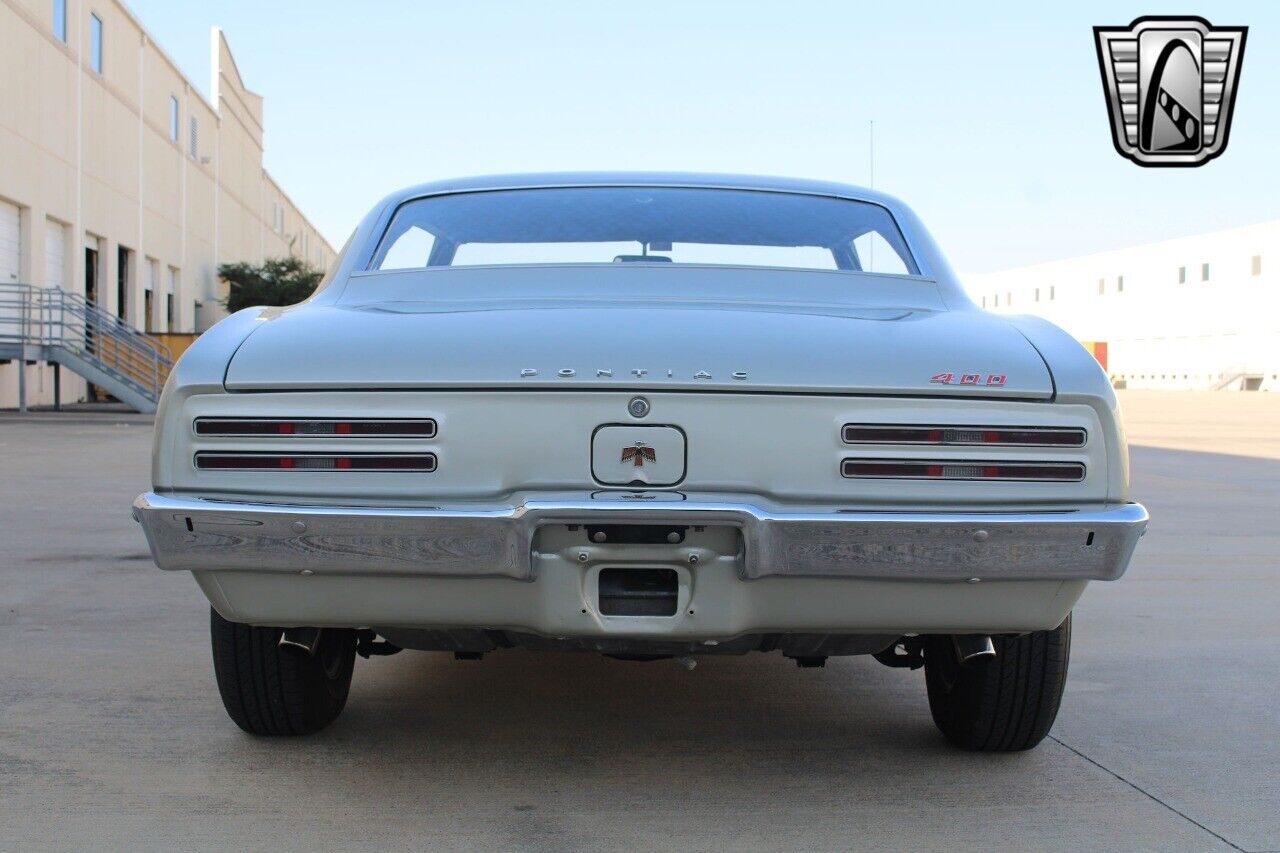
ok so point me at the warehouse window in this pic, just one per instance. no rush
(996, 304)
(1052, 292)
(1204, 272)
(1119, 284)
(1037, 294)
(1182, 275)
(1257, 265)
(95, 43)
(173, 117)
(984, 302)
(1102, 286)
(195, 138)
(60, 19)
(1008, 299)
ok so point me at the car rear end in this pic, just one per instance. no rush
(522, 511)
(709, 444)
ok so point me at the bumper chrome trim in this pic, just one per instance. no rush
(469, 540)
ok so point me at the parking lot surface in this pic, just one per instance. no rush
(112, 734)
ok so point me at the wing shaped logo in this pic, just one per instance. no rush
(1170, 84)
(638, 454)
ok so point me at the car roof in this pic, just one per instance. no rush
(647, 179)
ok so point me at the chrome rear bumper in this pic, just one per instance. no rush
(469, 540)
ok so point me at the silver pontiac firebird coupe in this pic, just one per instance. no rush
(648, 416)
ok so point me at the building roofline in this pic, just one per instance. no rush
(1103, 253)
(137, 22)
(295, 206)
(216, 34)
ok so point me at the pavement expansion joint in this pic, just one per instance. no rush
(1148, 794)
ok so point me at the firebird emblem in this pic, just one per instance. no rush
(638, 454)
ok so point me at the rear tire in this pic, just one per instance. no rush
(270, 690)
(1001, 704)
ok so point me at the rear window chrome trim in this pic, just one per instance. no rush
(376, 247)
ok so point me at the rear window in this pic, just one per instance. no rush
(645, 225)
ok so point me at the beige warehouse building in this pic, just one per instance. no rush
(120, 185)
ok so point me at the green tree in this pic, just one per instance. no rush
(278, 281)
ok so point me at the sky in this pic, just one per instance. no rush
(989, 117)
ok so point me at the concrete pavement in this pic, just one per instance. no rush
(112, 734)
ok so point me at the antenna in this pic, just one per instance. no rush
(871, 140)
(871, 147)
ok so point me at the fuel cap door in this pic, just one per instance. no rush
(638, 455)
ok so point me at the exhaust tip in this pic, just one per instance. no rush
(971, 648)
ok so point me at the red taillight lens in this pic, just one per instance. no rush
(362, 427)
(912, 469)
(963, 435)
(211, 460)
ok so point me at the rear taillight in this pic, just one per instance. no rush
(963, 435)
(321, 427)
(917, 469)
(231, 461)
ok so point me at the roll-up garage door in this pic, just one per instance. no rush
(10, 243)
(10, 262)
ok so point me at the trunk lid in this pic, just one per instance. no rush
(639, 328)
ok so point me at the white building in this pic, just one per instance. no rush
(1198, 312)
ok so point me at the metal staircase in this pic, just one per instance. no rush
(52, 325)
(1240, 379)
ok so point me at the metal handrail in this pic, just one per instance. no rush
(52, 317)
